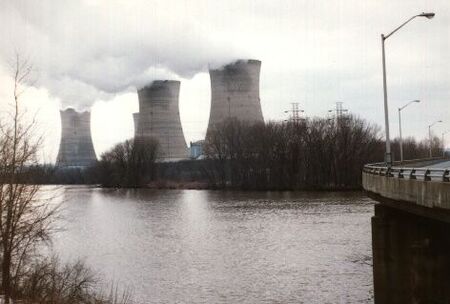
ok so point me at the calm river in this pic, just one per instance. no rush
(190, 246)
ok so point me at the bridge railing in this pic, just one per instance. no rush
(417, 173)
(410, 186)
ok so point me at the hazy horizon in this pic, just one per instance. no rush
(93, 54)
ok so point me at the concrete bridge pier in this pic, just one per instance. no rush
(411, 257)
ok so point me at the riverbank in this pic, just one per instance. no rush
(196, 185)
(183, 175)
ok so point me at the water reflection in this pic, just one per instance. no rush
(194, 246)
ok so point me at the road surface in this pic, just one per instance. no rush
(442, 165)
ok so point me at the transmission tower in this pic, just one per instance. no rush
(295, 112)
(339, 110)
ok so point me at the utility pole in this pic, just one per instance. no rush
(443, 142)
(429, 136)
(400, 127)
(388, 154)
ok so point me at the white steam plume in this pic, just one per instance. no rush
(91, 50)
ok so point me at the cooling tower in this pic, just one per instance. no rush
(75, 148)
(159, 118)
(235, 92)
(136, 123)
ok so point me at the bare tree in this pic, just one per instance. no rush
(309, 154)
(25, 216)
(128, 164)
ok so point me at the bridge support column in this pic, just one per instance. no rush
(411, 257)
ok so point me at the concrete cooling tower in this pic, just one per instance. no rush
(75, 148)
(235, 92)
(136, 123)
(159, 118)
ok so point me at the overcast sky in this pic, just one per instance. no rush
(94, 54)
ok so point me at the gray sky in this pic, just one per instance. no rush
(94, 53)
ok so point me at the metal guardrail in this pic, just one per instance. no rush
(423, 174)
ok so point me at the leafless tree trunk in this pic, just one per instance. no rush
(24, 218)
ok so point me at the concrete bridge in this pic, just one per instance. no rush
(410, 230)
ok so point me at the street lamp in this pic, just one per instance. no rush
(400, 126)
(443, 145)
(388, 157)
(429, 134)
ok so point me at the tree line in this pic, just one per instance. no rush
(316, 153)
(127, 164)
(309, 154)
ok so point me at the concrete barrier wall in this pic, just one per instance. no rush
(432, 194)
(410, 239)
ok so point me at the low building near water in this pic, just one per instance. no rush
(196, 149)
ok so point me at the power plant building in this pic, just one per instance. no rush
(76, 148)
(159, 118)
(235, 93)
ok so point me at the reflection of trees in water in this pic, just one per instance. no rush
(362, 259)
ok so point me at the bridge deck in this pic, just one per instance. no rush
(410, 231)
(441, 165)
(420, 186)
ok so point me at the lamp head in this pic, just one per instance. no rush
(426, 15)
(437, 121)
(417, 100)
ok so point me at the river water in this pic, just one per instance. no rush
(198, 246)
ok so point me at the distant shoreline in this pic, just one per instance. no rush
(183, 185)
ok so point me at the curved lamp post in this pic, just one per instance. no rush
(400, 126)
(429, 134)
(388, 156)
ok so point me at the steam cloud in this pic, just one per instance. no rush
(91, 50)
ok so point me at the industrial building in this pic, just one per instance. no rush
(196, 149)
(159, 118)
(235, 92)
(76, 148)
